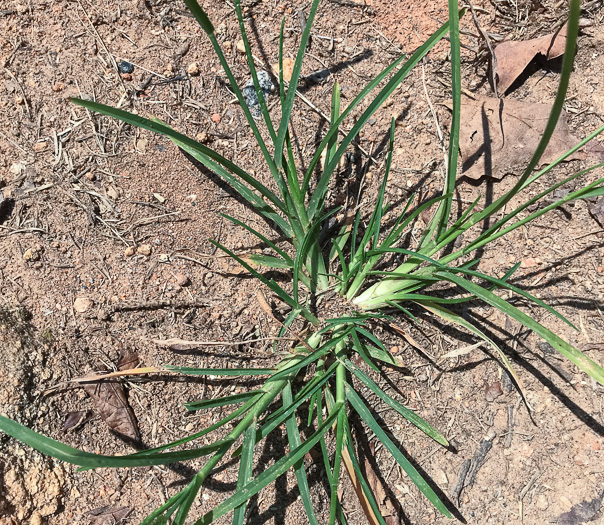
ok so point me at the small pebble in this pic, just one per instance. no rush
(202, 137)
(130, 251)
(82, 304)
(493, 391)
(36, 519)
(216, 118)
(141, 145)
(530, 262)
(59, 86)
(40, 146)
(193, 69)
(125, 67)
(19, 100)
(541, 502)
(126, 76)
(32, 254)
(182, 280)
(240, 46)
(144, 249)
(349, 50)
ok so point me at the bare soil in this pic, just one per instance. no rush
(82, 192)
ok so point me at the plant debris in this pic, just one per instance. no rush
(596, 210)
(110, 402)
(470, 467)
(583, 512)
(109, 515)
(499, 136)
(514, 56)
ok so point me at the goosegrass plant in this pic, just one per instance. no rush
(321, 377)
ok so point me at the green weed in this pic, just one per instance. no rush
(349, 266)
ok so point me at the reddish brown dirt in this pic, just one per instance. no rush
(84, 188)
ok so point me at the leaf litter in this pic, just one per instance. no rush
(514, 56)
(499, 136)
(109, 401)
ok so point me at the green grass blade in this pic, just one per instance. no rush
(442, 215)
(584, 363)
(500, 283)
(252, 66)
(409, 469)
(245, 469)
(233, 415)
(260, 236)
(359, 475)
(68, 454)
(332, 144)
(181, 140)
(408, 414)
(288, 103)
(238, 372)
(362, 351)
(337, 463)
(319, 193)
(279, 468)
(335, 127)
(293, 437)
(269, 261)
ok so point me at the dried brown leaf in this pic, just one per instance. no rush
(108, 515)
(500, 136)
(513, 56)
(73, 420)
(128, 360)
(110, 402)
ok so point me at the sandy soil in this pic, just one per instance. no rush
(104, 248)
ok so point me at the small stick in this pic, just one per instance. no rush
(528, 486)
(264, 305)
(20, 89)
(176, 341)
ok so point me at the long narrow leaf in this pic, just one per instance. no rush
(587, 365)
(409, 469)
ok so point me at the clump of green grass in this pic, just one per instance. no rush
(349, 265)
